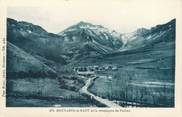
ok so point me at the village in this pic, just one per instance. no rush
(92, 70)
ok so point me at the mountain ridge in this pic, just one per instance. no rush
(87, 41)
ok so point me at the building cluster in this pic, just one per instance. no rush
(89, 70)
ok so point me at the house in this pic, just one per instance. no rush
(114, 68)
(85, 73)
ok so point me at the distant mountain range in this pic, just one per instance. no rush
(30, 48)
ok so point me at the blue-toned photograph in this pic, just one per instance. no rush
(90, 55)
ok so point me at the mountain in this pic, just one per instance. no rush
(127, 37)
(85, 42)
(21, 63)
(148, 37)
(155, 44)
(94, 37)
(82, 40)
(36, 41)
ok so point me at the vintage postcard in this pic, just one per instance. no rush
(91, 58)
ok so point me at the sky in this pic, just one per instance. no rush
(124, 17)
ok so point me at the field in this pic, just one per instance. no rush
(41, 92)
(143, 79)
(127, 87)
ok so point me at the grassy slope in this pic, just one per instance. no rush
(155, 65)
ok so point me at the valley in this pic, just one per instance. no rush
(89, 65)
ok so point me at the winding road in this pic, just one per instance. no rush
(106, 102)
